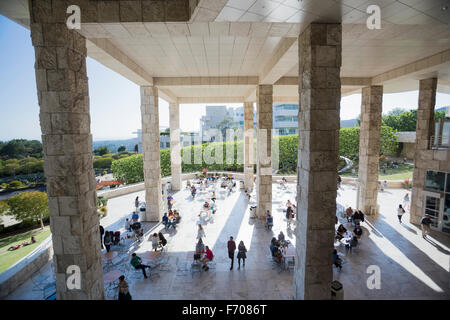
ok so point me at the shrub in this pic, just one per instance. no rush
(15, 185)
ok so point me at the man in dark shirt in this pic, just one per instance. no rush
(231, 248)
(102, 231)
(426, 222)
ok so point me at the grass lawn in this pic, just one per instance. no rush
(404, 171)
(8, 258)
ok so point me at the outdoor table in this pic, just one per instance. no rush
(150, 255)
(109, 256)
(111, 276)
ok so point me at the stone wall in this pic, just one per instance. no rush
(369, 147)
(248, 145)
(319, 48)
(264, 114)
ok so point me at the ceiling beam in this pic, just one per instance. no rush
(204, 81)
(210, 100)
(109, 55)
(206, 10)
(281, 61)
(167, 95)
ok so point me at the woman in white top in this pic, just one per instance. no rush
(400, 212)
(201, 232)
(406, 201)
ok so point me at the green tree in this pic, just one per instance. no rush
(29, 206)
(130, 169)
(20, 148)
(100, 151)
(121, 149)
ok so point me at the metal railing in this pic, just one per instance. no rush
(440, 142)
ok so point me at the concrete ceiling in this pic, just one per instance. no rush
(225, 43)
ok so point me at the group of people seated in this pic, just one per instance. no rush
(23, 244)
(134, 226)
(203, 254)
(353, 240)
(171, 219)
(275, 249)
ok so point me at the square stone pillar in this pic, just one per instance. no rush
(264, 167)
(320, 47)
(248, 145)
(63, 95)
(424, 158)
(151, 153)
(175, 147)
(369, 147)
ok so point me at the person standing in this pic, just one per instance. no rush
(107, 240)
(425, 223)
(231, 248)
(124, 293)
(169, 201)
(400, 212)
(102, 231)
(241, 254)
(200, 232)
(136, 203)
(406, 201)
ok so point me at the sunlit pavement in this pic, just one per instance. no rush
(411, 267)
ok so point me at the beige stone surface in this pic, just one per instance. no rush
(248, 145)
(319, 89)
(151, 152)
(175, 148)
(264, 121)
(63, 97)
(369, 147)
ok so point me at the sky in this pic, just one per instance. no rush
(114, 100)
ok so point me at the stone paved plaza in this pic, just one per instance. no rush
(411, 267)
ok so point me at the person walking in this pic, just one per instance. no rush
(169, 201)
(406, 201)
(124, 293)
(102, 232)
(400, 213)
(231, 248)
(425, 224)
(200, 232)
(241, 254)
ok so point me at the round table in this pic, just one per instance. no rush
(150, 255)
(110, 255)
(111, 276)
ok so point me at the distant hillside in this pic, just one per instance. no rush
(349, 123)
(113, 145)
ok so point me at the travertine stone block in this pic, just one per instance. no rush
(264, 96)
(319, 91)
(425, 158)
(248, 145)
(175, 147)
(63, 97)
(151, 153)
(369, 147)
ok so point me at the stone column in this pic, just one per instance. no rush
(424, 158)
(63, 96)
(320, 48)
(369, 147)
(264, 167)
(248, 145)
(151, 153)
(175, 148)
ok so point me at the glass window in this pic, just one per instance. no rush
(447, 188)
(446, 215)
(435, 180)
(168, 144)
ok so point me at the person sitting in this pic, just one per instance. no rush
(209, 256)
(176, 216)
(358, 232)
(341, 230)
(135, 216)
(278, 255)
(349, 214)
(136, 227)
(136, 262)
(127, 225)
(206, 205)
(352, 243)
(336, 260)
(274, 243)
(171, 222)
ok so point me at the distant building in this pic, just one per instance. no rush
(285, 118)
(186, 138)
